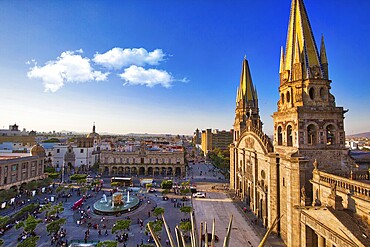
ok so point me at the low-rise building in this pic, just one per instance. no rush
(20, 168)
(144, 160)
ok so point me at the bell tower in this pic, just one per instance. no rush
(307, 116)
(308, 125)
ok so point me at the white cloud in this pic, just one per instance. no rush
(135, 75)
(117, 58)
(69, 67)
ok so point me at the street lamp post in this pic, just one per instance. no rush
(63, 172)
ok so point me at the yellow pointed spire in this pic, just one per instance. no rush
(246, 90)
(246, 83)
(300, 29)
(323, 57)
(281, 69)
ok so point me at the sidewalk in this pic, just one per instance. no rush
(273, 240)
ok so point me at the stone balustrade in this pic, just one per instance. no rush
(358, 187)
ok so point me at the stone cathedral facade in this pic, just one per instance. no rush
(304, 176)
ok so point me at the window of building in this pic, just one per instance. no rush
(330, 135)
(311, 134)
(323, 93)
(288, 97)
(289, 136)
(311, 93)
(280, 136)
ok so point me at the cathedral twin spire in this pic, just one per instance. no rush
(246, 94)
(301, 49)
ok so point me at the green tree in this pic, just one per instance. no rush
(53, 175)
(77, 177)
(166, 184)
(53, 209)
(185, 226)
(60, 189)
(3, 221)
(54, 226)
(121, 225)
(29, 225)
(49, 169)
(8, 194)
(158, 211)
(52, 140)
(29, 242)
(107, 243)
(156, 226)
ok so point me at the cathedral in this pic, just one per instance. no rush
(304, 176)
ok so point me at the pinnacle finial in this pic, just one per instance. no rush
(281, 69)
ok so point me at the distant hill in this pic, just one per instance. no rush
(364, 134)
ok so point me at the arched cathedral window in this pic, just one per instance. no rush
(330, 135)
(280, 136)
(311, 134)
(289, 137)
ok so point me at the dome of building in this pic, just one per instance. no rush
(96, 136)
(38, 150)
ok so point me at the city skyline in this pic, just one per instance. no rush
(163, 67)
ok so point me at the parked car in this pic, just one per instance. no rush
(199, 195)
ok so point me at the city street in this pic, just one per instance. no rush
(217, 205)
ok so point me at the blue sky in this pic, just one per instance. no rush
(165, 66)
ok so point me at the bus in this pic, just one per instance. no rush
(126, 182)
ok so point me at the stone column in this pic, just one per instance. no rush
(320, 241)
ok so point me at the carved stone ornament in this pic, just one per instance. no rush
(315, 164)
(303, 193)
(315, 72)
(249, 142)
(333, 188)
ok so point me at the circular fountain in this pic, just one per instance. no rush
(118, 203)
